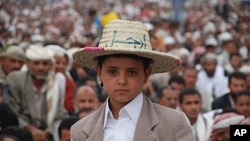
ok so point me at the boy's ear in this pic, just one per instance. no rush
(98, 71)
(148, 72)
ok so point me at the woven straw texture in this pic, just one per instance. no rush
(126, 37)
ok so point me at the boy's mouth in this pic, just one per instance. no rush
(121, 90)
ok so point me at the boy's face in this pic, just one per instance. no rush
(243, 105)
(122, 78)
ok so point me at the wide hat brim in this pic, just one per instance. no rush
(126, 37)
(161, 62)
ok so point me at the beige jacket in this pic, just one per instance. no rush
(156, 123)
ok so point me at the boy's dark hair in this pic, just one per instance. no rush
(21, 134)
(237, 75)
(186, 92)
(145, 61)
(241, 93)
(178, 79)
(66, 123)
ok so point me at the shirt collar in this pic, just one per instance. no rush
(133, 108)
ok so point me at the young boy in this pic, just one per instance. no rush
(124, 60)
(242, 103)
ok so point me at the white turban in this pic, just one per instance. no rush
(39, 53)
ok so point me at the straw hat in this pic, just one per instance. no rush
(126, 37)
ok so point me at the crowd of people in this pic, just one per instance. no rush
(43, 92)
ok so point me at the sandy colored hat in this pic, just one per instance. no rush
(126, 37)
(14, 52)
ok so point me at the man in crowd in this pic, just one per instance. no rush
(85, 97)
(236, 83)
(168, 97)
(190, 76)
(64, 128)
(190, 103)
(212, 76)
(11, 60)
(35, 95)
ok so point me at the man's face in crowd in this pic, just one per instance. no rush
(61, 63)
(10, 64)
(210, 67)
(169, 98)
(39, 68)
(177, 86)
(65, 135)
(86, 98)
(237, 85)
(190, 77)
(191, 106)
(231, 48)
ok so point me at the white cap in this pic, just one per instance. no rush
(57, 49)
(209, 27)
(37, 38)
(211, 41)
(169, 40)
(35, 52)
(245, 69)
(225, 36)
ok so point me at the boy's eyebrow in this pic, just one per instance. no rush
(129, 68)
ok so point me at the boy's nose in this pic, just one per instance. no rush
(122, 79)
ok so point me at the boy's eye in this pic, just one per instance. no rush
(112, 72)
(132, 73)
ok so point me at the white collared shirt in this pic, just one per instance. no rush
(123, 128)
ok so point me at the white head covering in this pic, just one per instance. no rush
(57, 49)
(35, 52)
(211, 41)
(37, 38)
(169, 40)
(224, 36)
(245, 69)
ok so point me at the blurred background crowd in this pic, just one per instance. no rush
(38, 38)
